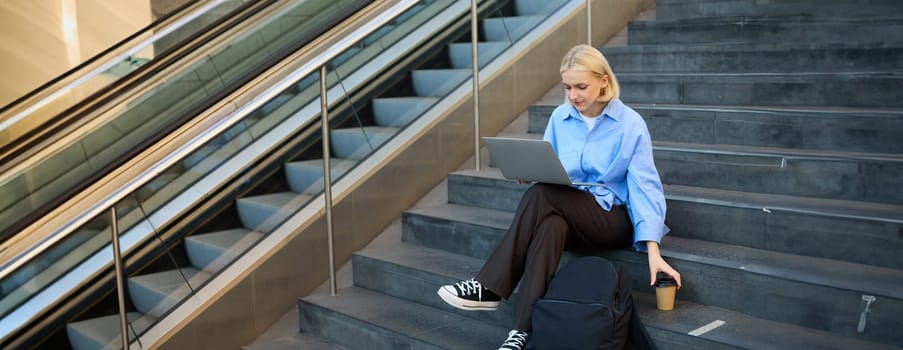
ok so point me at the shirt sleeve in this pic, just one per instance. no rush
(646, 198)
(549, 134)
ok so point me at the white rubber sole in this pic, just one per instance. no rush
(469, 305)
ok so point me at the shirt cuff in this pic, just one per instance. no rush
(645, 231)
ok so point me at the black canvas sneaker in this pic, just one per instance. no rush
(517, 340)
(469, 295)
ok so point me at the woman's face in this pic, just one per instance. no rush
(582, 89)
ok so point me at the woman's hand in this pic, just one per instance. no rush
(657, 264)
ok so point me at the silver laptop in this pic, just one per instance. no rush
(529, 160)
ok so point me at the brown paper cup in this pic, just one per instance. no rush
(664, 297)
(665, 292)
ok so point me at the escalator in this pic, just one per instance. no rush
(55, 148)
(47, 166)
(208, 166)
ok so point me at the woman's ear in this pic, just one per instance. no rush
(604, 84)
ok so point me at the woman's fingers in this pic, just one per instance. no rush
(656, 265)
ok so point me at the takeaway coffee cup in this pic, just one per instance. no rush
(665, 290)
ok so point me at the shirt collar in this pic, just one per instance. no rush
(612, 110)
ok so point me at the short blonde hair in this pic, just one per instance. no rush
(588, 58)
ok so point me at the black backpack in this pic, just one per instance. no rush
(588, 305)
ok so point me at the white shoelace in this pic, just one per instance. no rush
(470, 286)
(516, 341)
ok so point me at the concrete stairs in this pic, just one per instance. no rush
(805, 30)
(782, 179)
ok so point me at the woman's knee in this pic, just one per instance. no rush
(552, 227)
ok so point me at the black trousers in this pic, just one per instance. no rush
(549, 219)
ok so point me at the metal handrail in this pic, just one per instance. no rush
(186, 149)
(120, 277)
(476, 84)
(589, 22)
(327, 180)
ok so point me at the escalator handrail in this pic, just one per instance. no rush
(235, 115)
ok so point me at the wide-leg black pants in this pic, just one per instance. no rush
(549, 218)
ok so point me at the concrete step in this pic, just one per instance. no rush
(828, 8)
(156, 293)
(211, 252)
(754, 58)
(824, 174)
(823, 128)
(264, 212)
(809, 292)
(860, 232)
(819, 174)
(812, 173)
(771, 89)
(307, 176)
(358, 142)
(399, 111)
(438, 82)
(303, 341)
(361, 319)
(803, 30)
(104, 332)
(415, 273)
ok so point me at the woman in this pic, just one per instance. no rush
(599, 140)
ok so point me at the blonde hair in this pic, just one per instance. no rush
(588, 58)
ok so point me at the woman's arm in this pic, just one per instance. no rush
(657, 264)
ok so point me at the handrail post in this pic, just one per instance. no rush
(120, 278)
(327, 180)
(589, 22)
(476, 85)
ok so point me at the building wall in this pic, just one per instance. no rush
(40, 40)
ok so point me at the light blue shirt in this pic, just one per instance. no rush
(618, 153)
